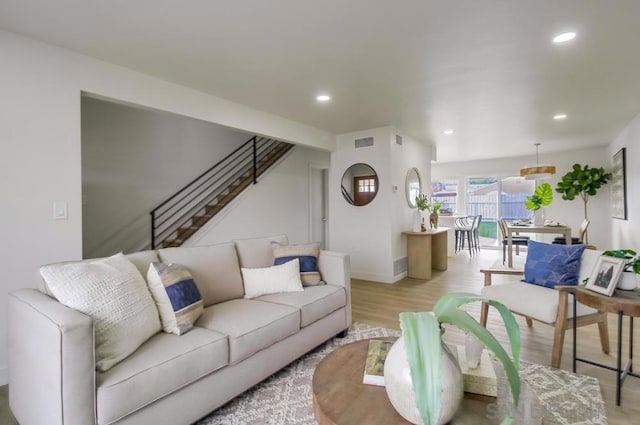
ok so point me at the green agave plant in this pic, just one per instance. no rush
(422, 340)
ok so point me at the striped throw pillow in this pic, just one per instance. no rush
(176, 295)
(306, 254)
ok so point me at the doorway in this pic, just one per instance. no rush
(319, 205)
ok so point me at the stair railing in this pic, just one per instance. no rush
(177, 210)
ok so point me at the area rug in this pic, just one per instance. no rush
(285, 397)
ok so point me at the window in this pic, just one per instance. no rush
(367, 185)
(445, 191)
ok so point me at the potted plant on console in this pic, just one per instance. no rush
(542, 197)
(630, 277)
(422, 203)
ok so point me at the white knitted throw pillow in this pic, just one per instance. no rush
(113, 292)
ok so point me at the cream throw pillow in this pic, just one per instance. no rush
(113, 292)
(272, 280)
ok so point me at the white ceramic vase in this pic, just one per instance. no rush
(627, 281)
(397, 380)
(417, 220)
(538, 217)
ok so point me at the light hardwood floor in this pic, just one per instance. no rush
(379, 304)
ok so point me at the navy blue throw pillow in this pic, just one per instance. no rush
(550, 264)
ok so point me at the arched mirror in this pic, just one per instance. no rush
(413, 186)
(359, 184)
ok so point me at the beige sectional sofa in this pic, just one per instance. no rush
(170, 379)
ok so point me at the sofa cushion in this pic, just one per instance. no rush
(535, 301)
(250, 325)
(214, 268)
(257, 252)
(272, 280)
(114, 294)
(550, 265)
(315, 302)
(142, 260)
(306, 254)
(162, 365)
(176, 295)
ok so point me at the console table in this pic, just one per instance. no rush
(426, 251)
(622, 303)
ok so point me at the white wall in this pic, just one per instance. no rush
(278, 204)
(403, 157)
(568, 212)
(371, 234)
(626, 233)
(132, 160)
(40, 160)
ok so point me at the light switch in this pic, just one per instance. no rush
(60, 210)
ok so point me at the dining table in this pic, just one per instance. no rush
(517, 228)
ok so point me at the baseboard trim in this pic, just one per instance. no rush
(4, 375)
(374, 277)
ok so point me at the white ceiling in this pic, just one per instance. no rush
(486, 68)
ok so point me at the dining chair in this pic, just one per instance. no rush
(516, 240)
(561, 240)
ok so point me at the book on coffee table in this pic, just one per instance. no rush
(374, 366)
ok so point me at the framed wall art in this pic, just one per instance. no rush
(619, 186)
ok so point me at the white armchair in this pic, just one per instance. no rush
(553, 307)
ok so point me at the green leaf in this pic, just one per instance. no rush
(422, 341)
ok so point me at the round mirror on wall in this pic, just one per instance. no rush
(359, 184)
(413, 186)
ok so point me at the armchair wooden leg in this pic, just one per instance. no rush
(558, 342)
(604, 333)
(529, 322)
(484, 311)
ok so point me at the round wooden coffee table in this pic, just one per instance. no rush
(340, 397)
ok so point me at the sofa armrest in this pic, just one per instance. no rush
(51, 361)
(335, 268)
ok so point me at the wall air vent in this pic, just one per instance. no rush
(364, 142)
(400, 266)
(398, 139)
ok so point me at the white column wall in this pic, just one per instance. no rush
(364, 231)
(403, 157)
(41, 87)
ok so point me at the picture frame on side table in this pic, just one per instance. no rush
(605, 275)
(619, 185)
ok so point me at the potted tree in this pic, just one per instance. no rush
(582, 181)
(629, 279)
(542, 197)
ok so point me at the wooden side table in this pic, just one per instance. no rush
(426, 251)
(622, 303)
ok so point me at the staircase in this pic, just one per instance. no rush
(180, 216)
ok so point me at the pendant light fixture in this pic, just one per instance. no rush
(538, 171)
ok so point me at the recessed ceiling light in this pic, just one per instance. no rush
(323, 98)
(566, 36)
(560, 116)
(448, 132)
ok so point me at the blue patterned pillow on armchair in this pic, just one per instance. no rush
(550, 265)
